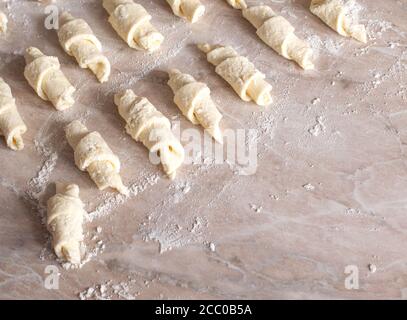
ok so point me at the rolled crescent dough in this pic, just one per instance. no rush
(191, 10)
(65, 216)
(92, 154)
(279, 34)
(240, 73)
(44, 75)
(337, 15)
(152, 128)
(237, 4)
(78, 40)
(3, 22)
(11, 124)
(193, 98)
(132, 22)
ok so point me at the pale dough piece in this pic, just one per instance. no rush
(193, 98)
(11, 124)
(65, 218)
(335, 13)
(92, 154)
(132, 22)
(3, 22)
(240, 73)
(279, 34)
(43, 73)
(191, 10)
(78, 40)
(144, 123)
(237, 4)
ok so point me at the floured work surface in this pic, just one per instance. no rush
(328, 192)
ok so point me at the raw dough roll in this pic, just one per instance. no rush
(237, 4)
(132, 22)
(3, 22)
(93, 154)
(240, 73)
(152, 128)
(338, 15)
(65, 218)
(11, 124)
(43, 73)
(193, 98)
(278, 33)
(191, 10)
(78, 40)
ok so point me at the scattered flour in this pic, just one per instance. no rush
(256, 208)
(318, 128)
(315, 101)
(170, 235)
(109, 290)
(372, 268)
(116, 200)
(309, 187)
(212, 247)
(376, 28)
(352, 211)
(38, 184)
(181, 189)
(326, 45)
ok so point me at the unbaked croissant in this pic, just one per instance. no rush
(92, 154)
(146, 124)
(191, 10)
(279, 34)
(11, 124)
(132, 22)
(193, 98)
(44, 75)
(65, 214)
(239, 72)
(78, 40)
(336, 14)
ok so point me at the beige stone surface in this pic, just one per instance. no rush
(329, 190)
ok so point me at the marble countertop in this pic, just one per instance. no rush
(327, 196)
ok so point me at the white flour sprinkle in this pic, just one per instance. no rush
(38, 184)
(315, 101)
(318, 128)
(108, 290)
(328, 45)
(170, 235)
(309, 187)
(372, 268)
(256, 208)
(212, 246)
(116, 200)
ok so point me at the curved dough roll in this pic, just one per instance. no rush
(237, 4)
(335, 13)
(78, 40)
(132, 22)
(240, 73)
(152, 128)
(65, 216)
(278, 33)
(3, 22)
(193, 98)
(191, 10)
(44, 75)
(93, 154)
(11, 124)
